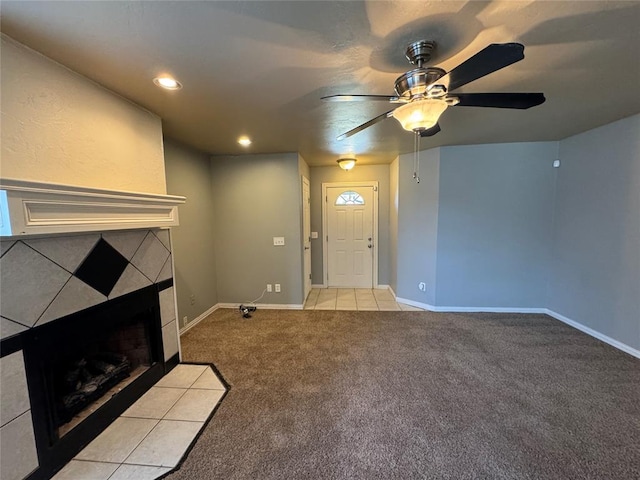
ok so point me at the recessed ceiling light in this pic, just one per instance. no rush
(167, 82)
(244, 141)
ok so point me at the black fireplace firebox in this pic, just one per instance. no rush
(87, 368)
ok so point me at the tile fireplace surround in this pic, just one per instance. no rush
(45, 278)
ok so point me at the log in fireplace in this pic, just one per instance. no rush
(87, 368)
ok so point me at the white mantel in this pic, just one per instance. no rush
(35, 208)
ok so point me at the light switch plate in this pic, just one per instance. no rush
(278, 241)
(314, 234)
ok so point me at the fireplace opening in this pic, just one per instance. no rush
(90, 374)
(87, 368)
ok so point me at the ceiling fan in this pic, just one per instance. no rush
(424, 93)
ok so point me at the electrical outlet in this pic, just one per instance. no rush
(422, 287)
(192, 299)
(185, 320)
(277, 288)
(269, 287)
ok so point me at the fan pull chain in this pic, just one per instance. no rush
(416, 157)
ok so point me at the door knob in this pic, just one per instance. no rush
(307, 248)
(369, 245)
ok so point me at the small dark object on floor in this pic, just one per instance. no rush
(246, 310)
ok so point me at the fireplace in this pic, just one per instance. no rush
(85, 369)
(88, 326)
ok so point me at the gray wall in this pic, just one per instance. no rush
(418, 226)
(595, 273)
(393, 223)
(494, 224)
(360, 173)
(256, 198)
(189, 174)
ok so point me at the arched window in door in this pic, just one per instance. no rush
(349, 198)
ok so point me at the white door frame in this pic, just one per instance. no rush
(325, 243)
(306, 242)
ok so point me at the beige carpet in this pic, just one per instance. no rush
(402, 395)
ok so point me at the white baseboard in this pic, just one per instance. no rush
(413, 303)
(392, 292)
(589, 331)
(433, 308)
(378, 287)
(265, 306)
(198, 319)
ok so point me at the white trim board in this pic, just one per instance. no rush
(198, 319)
(36, 208)
(264, 306)
(589, 331)
(433, 308)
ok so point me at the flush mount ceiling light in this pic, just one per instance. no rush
(244, 141)
(167, 82)
(347, 163)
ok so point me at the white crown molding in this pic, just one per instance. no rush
(35, 208)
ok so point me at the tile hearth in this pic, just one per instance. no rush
(151, 437)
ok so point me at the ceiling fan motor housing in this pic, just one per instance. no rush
(420, 52)
(414, 83)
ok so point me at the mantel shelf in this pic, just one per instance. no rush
(33, 208)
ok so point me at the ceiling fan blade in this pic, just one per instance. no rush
(499, 100)
(359, 128)
(486, 61)
(359, 98)
(430, 132)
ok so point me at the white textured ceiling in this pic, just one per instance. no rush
(260, 68)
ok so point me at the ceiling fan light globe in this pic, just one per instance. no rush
(420, 115)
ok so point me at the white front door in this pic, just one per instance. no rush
(306, 235)
(350, 236)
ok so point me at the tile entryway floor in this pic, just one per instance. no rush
(353, 299)
(151, 437)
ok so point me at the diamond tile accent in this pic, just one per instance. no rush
(68, 252)
(150, 257)
(166, 273)
(28, 284)
(127, 242)
(130, 281)
(18, 447)
(74, 297)
(14, 396)
(102, 267)
(9, 327)
(6, 245)
(163, 236)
